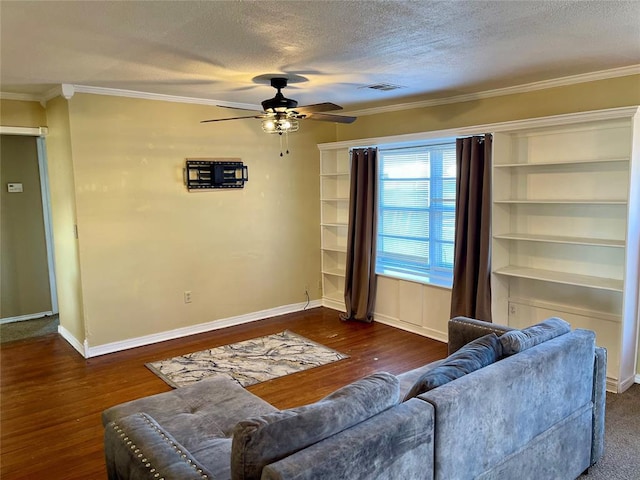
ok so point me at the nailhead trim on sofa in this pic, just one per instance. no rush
(137, 452)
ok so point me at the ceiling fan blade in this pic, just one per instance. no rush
(231, 118)
(318, 107)
(327, 117)
(239, 108)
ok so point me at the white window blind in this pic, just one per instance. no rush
(416, 213)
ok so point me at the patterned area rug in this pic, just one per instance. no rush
(248, 362)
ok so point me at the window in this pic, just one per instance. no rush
(416, 212)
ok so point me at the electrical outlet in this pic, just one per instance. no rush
(513, 310)
(187, 296)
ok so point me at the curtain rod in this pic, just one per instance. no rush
(421, 145)
(424, 143)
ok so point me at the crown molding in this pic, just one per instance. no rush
(30, 97)
(53, 93)
(68, 90)
(158, 96)
(23, 97)
(524, 88)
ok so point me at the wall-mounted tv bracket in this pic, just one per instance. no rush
(210, 174)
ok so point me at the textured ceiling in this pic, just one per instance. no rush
(213, 49)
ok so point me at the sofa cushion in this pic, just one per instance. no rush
(517, 341)
(474, 355)
(408, 379)
(262, 440)
(202, 412)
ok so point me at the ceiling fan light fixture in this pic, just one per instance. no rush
(269, 125)
(280, 125)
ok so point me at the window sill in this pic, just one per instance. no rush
(431, 282)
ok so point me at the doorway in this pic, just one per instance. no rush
(27, 277)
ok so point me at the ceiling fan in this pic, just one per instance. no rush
(281, 114)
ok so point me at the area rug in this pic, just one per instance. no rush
(248, 362)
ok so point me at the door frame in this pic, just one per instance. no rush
(39, 133)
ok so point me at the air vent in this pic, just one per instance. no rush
(385, 87)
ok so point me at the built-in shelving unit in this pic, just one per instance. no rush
(334, 220)
(566, 228)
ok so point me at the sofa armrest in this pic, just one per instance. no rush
(503, 409)
(397, 443)
(599, 399)
(137, 448)
(463, 330)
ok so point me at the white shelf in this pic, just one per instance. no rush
(561, 202)
(335, 296)
(563, 163)
(336, 272)
(336, 199)
(333, 287)
(334, 244)
(609, 317)
(530, 237)
(334, 248)
(565, 278)
(335, 225)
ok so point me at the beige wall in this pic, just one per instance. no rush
(144, 239)
(63, 217)
(616, 92)
(24, 286)
(18, 113)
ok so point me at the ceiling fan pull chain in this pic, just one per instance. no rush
(287, 140)
(280, 136)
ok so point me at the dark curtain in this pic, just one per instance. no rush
(360, 278)
(471, 293)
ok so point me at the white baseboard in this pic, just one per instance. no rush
(94, 351)
(22, 318)
(624, 385)
(73, 341)
(615, 385)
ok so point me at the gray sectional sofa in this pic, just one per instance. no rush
(505, 404)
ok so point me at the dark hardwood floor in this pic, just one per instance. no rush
(51, 398)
